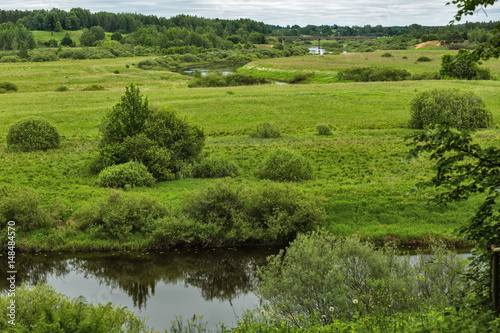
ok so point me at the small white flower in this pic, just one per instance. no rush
(355, 301)
(331, 309)
(323, 317)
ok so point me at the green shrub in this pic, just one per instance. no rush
(285, 165)
(41, 309)
(324, 129)
(462, 110)
(3, 91)
(462, 66)
(367, 74)
(8, 86)
(94, 87)
(126, 174)
(120, 215)
(229, 80)
(426, 76)
(424, 59)
(161, 140)
(345, 279)
(386, 55)
(267, 212)
(215, 167)
(22, 205)
(301, 76)
(62, 88)
(10, 59)
(32, 134)
(266, 131)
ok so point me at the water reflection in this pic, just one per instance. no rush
(220, 275)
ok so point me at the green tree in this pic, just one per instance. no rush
(490, 48)
(462, 66)
(66, 41)
(87, 38)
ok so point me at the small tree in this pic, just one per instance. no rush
(66, 41)
(32, 133)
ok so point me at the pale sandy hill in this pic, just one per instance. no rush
(427, 44)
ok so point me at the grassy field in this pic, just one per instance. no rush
(361, 170)
(326, 66)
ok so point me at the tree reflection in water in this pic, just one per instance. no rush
(220, 274)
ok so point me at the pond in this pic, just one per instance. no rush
(217, 284)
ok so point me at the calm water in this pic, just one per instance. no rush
(217, 284)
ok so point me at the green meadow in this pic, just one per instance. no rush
(361, 172)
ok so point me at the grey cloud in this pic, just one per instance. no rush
(341, 12)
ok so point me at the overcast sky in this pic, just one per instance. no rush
(281, 12)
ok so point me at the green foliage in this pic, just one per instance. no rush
(125, 175)
(126, 118)
(229, 80)
(62, 88)
(463, 170)
(22, 205)
(215, 167)
(324, 129)
(11, 58)
(387, 55)
(41, 309)
(301, 76)
(285, 165)
(424, 59)
(462, 110)
(120, 215)
(462, 66)
(162, 141)
(324, 278)
(266, 131)
(8, 86)
(32, 133)
(94, 87)
(366, 74)
(268, 212)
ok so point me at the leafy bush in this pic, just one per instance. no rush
(10, 59)
(386, 55)
(268, 211)
(366, 74)
(94, 87)
(266, 131)
(8, 86)
(62, 88)
(426, 76)
(22, 205)
(162, 141)
(319, 275)
(126, 174)
(215, 167)
(120, 215)
(462, 66)
(41, 309)
(324, 129)
(462, 110)
(285, 165)
(32, 134)
(424, 59)
(229, 80)
(301, 76)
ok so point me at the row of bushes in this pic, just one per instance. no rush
(219, 80)
(225, 212)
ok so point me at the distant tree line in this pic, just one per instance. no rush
(125, 23)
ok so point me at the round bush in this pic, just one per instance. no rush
(324, 129)
(386, 55)
(462, 110)
(424, 59)
(32, 133)
(266, 131)
(216, 167)
(130, 173)
(8, 86)
(285, 165)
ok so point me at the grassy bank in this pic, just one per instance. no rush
(326, 67)
(361, 171)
